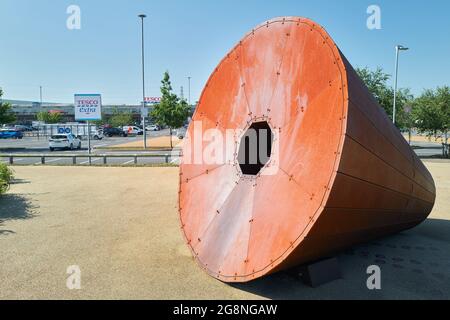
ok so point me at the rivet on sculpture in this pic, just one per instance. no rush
(337, 171)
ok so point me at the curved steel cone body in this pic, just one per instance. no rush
(339, 174)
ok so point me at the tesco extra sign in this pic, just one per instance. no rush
(88, 107)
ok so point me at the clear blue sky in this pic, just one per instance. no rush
(189, 37)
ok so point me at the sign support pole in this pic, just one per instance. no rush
(89, 140)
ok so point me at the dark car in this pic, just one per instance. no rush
(10, 134)
(114, 132)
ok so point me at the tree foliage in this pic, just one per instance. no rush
(377, 83)
(6, 114)
(6, 175)
(121, 118)
(49, 117)
(171, 111)
(431, 111)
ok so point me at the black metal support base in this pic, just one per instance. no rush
(320, 272)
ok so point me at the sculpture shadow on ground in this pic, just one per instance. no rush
(415, 264)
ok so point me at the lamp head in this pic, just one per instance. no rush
(142, 16)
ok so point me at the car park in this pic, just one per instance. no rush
(10, 134)
(114, 132)
(64, 141)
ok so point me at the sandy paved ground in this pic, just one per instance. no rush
(419, 138)
(120, 226)
(159, 142)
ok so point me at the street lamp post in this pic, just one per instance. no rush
(398, 48)
(189, 89)
(143, 16)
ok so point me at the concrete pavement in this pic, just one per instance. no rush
(120, 226)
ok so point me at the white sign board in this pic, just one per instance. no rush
(88, 107)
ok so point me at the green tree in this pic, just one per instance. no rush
(171, 111)
(377, 83)
(120, 118)
(100, 122)
(6, 175)
(6, 114)
(49, 117)
(431, 112)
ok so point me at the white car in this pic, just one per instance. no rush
(181, 133)
(98, 135)
(133, 130)
(153, 127)
(64, 141)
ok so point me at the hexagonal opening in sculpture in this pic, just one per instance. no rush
(255, 148)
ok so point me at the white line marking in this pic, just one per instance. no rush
(93, 160)
(54, 160)
(15, 160)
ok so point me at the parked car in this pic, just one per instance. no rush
(23, 128)
(181, 133)
(10, 134)
(133, 130)
(114, 132)
(99, 135)
(64, 141)
(153, 127)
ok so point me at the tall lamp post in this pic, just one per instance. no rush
(189, 89)
(143, 113)
(398, 48)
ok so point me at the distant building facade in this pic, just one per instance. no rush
(26, 111)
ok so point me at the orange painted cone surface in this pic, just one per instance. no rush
(339, 173)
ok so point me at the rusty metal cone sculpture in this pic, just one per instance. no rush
(339, 173)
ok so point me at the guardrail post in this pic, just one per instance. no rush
(167, 158)
(42, 159)
(11, 160)
(104, 159)
(135, 159)
(74, 160)
(90, 160)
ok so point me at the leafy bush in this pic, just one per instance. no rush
(49, 117)
(6, 175)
